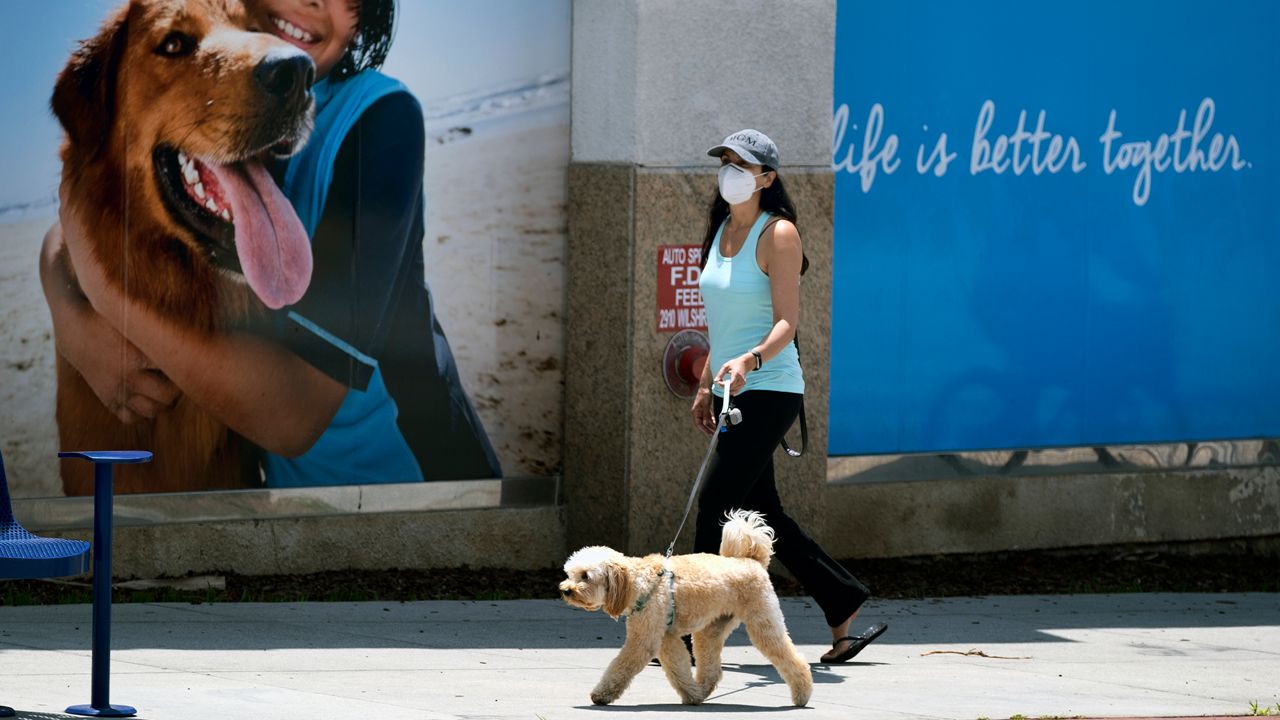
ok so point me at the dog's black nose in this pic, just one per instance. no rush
(286, 77)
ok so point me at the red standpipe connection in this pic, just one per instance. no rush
(690, 363)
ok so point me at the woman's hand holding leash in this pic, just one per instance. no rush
(703, 418)
(738, 367)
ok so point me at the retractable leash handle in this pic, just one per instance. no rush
(729, 415)
(726, 381)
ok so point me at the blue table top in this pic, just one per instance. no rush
(110, 457)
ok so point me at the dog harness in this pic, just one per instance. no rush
(670, 575)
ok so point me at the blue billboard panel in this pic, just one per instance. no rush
(1056, 224)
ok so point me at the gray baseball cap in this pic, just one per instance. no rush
(751, 145)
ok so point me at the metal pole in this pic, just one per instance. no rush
(102, 513)
(100, 703)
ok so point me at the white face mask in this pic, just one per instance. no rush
(736, 185)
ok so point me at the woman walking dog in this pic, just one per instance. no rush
(752, 263)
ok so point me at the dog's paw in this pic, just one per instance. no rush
(688, 699)
(602, 698)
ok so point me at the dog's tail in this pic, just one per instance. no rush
(745, 535)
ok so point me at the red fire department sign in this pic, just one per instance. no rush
(679, 302)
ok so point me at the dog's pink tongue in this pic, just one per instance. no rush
(275, 253)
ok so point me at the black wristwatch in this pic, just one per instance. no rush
(759, 361)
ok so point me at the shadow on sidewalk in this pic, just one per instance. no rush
(535, 625)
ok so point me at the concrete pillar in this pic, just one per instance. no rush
(655, 83)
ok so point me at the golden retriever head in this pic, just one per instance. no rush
(177, 100)
(598, 577)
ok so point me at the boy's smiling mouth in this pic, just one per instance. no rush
(294, 34)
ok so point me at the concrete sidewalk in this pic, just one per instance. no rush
(1122, 655)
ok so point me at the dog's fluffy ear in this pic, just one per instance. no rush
(84, 95)
(617, 591)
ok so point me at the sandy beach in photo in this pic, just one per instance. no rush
(496, 232)
(28, 436)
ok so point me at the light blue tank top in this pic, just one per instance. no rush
(739, 304)
(363, 443)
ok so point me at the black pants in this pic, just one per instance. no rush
(740, 476)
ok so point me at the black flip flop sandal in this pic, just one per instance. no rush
(857, 642)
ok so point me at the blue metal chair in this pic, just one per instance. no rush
(24, 556)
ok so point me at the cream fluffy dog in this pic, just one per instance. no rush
(704, 595)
